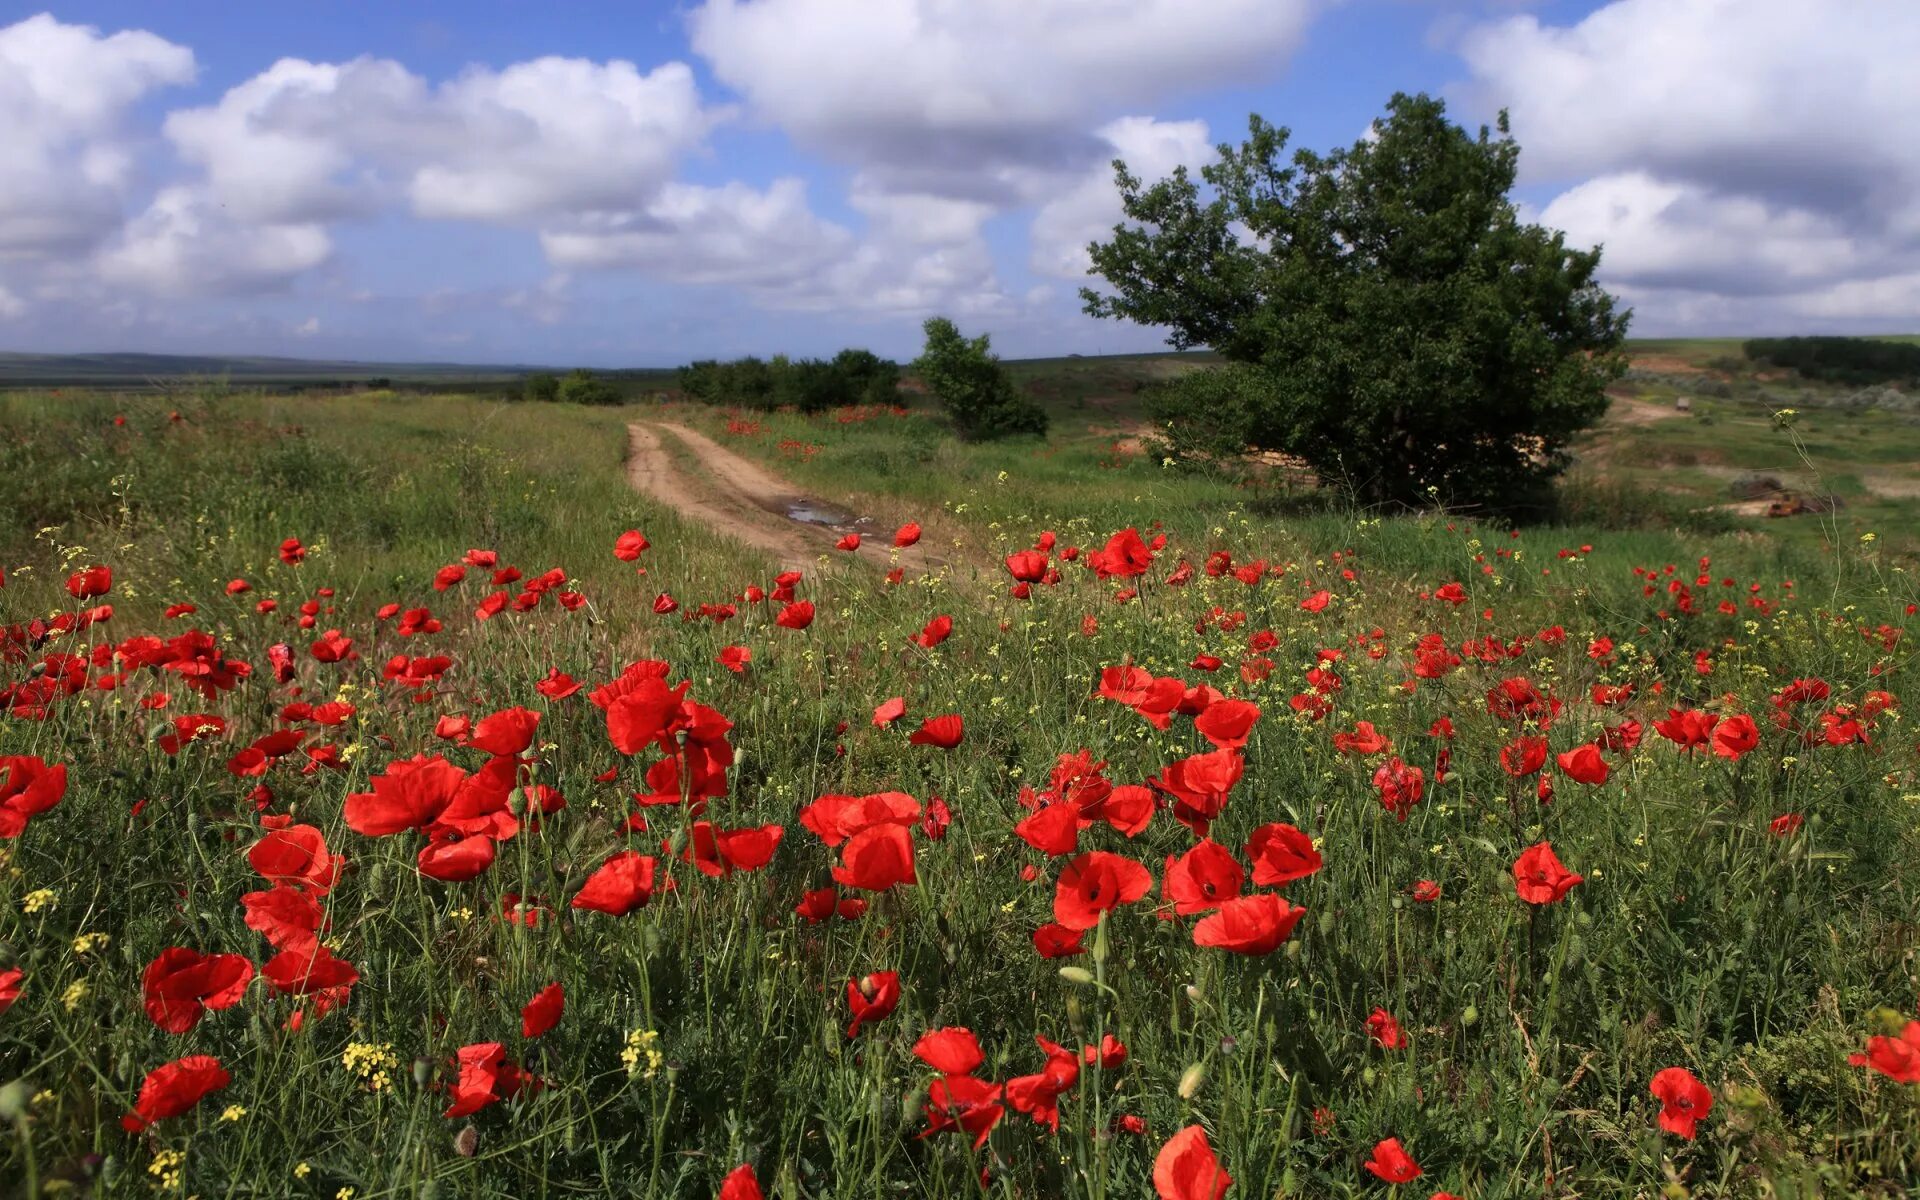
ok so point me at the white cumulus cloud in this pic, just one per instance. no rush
(66, 153)
(1740, 160)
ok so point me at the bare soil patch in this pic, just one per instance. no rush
(1630, 410)
(1668, 364)
(751, 504)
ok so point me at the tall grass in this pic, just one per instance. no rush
(1699, 939)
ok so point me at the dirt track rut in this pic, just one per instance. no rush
(743, 500)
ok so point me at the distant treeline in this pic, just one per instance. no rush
(1858, 362)
(810, 385)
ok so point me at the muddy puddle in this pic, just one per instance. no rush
(809, 511)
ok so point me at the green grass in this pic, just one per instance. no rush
(1699, 939)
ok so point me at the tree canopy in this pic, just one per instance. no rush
(1387, 316)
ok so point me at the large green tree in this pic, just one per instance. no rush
(1387, 316)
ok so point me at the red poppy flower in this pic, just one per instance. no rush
(1735, 736)
(333, 647)
(542, 1012)
(1400, 786)
(1094, 883)
(1199, 785)
(90, 582)
(1523, 756)
(1186, 1169)
(907, 534)
(558, 685)
(740, 1184)
(824, 903)
(1053, 830)
(1226, 723)
(1281, 854)
(10, 981)
(937, 630)
(28, 787)
(307, 969)
(877, 858)
(509, 731)
(797, 615)
(485, 1077)
(945, 732)
(1364, 740)
(1393, 1164)
(191, 727)
(1684, 1100)
(734, 658)
(1539, 877)
(1786, 825)
(1426, 891)
(951, 1051)
(1250, 925)
(938, 817)
(1687, 729)
(454, 857)
(1128, 808)
(621, 884)
(174, 1088)
(288, 917)
(1898, 1058)
(296, 854)
(411, 794)
(872, 998)
(836, 818)
(889, 711)
(718, 852)
(1057, 941)
(181, 983)
(1027, 566)
(1201, 879)
(1124, 556)
(630, 545)
(964, 1104)
(1583, 764)
(1385, 1031)
(1109, 1054)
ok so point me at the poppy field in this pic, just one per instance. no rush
(395, 803)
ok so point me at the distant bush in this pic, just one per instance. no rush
(584, 387)
(811, 385)
(541, 385)
(973, 387)
(1857, 362)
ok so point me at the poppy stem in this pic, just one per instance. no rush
(1533, 957)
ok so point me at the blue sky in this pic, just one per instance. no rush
(645, 183)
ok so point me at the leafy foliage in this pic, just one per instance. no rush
(543, 386)
(973, 387)
(581, 386)
(808, 385)
(1859, 362)
(1401, 330)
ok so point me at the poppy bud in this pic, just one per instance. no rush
(422, 1071)
(1194, 993)
(1469, 1015)
(1079, 975)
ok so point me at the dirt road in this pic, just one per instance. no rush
(743, 500)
